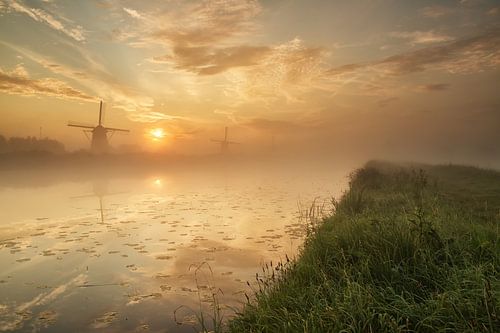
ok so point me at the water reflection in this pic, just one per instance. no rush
(129, 266)
(100, 190)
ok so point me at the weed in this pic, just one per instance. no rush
(205, 322)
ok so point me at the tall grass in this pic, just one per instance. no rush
(407, 250)
(204, 321)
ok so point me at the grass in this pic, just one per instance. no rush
(408, 249)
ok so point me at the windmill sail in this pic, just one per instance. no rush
(81, 125)
(100, 113)
(117, 129)
(224, 144)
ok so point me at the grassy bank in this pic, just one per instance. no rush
(409, 248)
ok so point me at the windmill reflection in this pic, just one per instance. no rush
(100, 189)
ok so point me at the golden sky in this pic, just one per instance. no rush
(381, 76)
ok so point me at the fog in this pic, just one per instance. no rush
(143, 240)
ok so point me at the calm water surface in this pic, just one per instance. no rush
(119, 253)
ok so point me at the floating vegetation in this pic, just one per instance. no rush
(23, 259)
(163, 257)
(135, 299)
(136, 243)
(142, 327)
(105, 320)
(46, 318)
(162, 276)
(132, 267)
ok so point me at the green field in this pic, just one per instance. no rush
(409, 248)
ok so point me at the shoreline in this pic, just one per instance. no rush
(408, 248)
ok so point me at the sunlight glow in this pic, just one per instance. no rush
(157, 133)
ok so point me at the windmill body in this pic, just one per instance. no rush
(100, 139)
(99, 142)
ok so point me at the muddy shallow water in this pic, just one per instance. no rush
(118, 253)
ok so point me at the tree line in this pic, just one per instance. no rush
(30, 144)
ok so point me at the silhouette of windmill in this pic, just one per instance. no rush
(99, 140)
(224, 144)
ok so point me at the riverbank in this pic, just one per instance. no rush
(410, 248)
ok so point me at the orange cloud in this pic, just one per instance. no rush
(208, 61)
(200, 36)
(422, 37)
(207, 22)
(436, 11)
(434, 87)
(288, 70)
(18, 82)
(461, 56)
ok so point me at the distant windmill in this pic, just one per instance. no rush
(99, 140)
(224, 144)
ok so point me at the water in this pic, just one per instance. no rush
(120, 253)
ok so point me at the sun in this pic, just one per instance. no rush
(157, 133)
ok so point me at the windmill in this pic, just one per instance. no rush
(99, 140)
(224, 144)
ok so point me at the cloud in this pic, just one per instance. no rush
(288, 70)
(436, 11)
(152, 117)
(493, 11)
(386, 101)
(133, 13)
(204, 38)
(207, 22)
(209, 61)
(274, 126)
(96, 80)
(207, 38)
(434, 87)
(460, 56)
(42, 16)
(18, 82)
(345, 69)
(422, 37)
(201, 36)
(229, 114)
(464, 55)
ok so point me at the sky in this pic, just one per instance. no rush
(377, 78)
